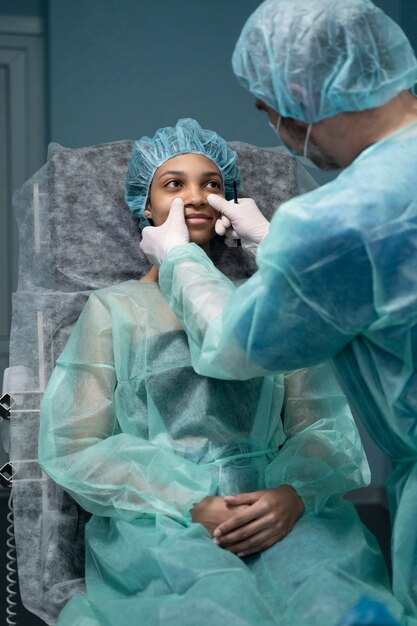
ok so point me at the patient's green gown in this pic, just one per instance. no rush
(137, 437)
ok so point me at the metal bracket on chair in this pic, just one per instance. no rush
(6, 402)
(6, 475)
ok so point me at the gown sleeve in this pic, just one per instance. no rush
(311, 295)
(82, 448)
(322, 457)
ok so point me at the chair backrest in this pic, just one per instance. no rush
(76, 234)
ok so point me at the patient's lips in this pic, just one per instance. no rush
(198, 218)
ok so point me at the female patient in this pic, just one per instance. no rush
(166, 460)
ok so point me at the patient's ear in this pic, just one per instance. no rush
(147, 212)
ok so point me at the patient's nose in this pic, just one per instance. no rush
(195, 196)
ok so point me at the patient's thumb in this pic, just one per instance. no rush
(241, 498)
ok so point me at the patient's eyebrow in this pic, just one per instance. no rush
(185, 174)
(211, 174)
(173, 173)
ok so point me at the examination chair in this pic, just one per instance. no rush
(75, 235)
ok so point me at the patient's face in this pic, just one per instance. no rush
(190, 177)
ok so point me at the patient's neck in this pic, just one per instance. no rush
(151, 276)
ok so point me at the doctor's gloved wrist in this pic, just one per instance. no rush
(249, 247)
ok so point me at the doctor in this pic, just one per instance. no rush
(337, 274)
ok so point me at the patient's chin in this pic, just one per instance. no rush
(200, 241)
(199, 237)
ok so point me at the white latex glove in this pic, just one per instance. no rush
(157, 241)
(239, 221)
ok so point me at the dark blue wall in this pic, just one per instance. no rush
(122, 69)
(23, 7)
(408, 20)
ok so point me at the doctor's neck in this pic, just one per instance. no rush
(346, 135)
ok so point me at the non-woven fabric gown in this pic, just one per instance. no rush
(368, 612)
(137, 437)
(337, 279)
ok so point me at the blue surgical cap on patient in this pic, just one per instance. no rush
(186, 137)
(312, 59)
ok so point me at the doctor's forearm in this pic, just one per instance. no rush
(252, 331)
(205, 301)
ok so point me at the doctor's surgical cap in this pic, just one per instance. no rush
(185, 138)
(312, 59)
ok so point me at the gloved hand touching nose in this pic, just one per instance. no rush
(157, 241)
(243, 220)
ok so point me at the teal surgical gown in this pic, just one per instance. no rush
(337, 280)
(137, 437)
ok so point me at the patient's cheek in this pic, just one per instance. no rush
(160, 217)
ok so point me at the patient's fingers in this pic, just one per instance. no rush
(243, 533)
(260, 542)
(242, 498)
(235, 521)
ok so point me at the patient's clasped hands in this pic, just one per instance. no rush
(250, 522)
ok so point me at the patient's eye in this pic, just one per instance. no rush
(173, 184)
(214, 184)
